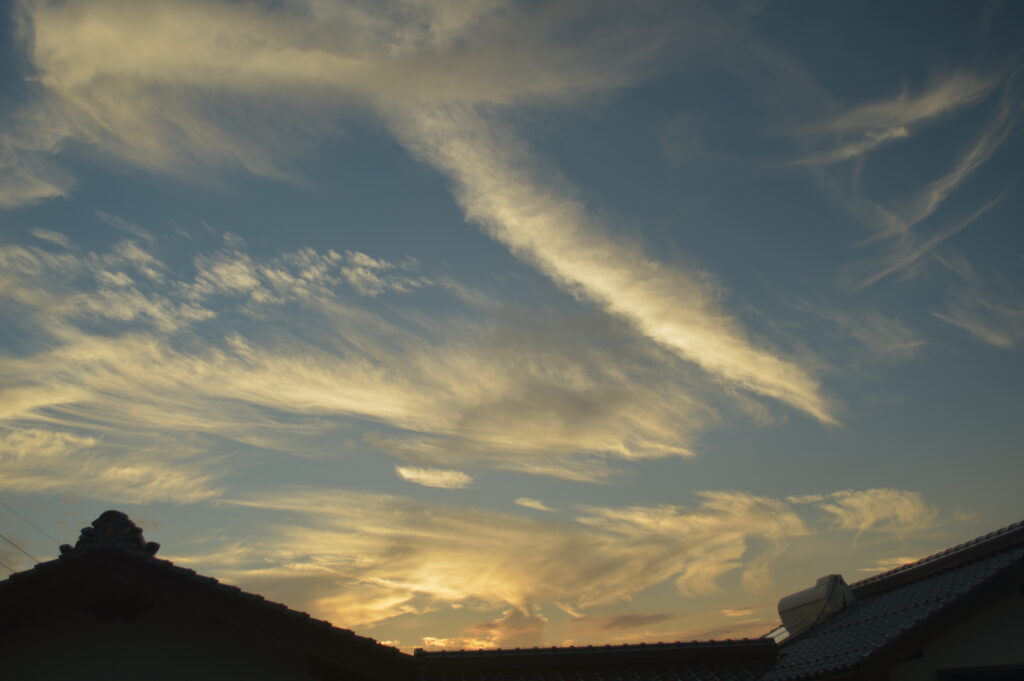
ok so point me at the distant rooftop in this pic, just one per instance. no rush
(892, 606)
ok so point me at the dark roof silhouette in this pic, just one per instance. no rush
(897, 610)
(729, 660)
(892, 612)
(113, 551)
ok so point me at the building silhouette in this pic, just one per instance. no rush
(109, 609)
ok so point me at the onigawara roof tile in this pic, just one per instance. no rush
(113, 549)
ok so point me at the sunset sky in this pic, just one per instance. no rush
(474, 323)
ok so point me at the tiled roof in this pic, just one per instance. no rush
(892, 606)
(739, 660)
(115, 549)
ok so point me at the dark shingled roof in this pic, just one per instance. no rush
(113, 551)
(730, 660)
(893, 608)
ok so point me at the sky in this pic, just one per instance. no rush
(473, 323)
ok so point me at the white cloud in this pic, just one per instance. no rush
(886, 564)
(535, 504)
(125, 226)
(150, 110)
(955, 91)
(880, 510)
(901, 224)
(27, 173)
(992, 314)
(738, 612)
(883, 337)
(513, 628)
(868, 127)
(371, 277)
(434, 477)
(499, 186)
(281, 75)
(368, 557)
(58, 238)
(712, 539)
(48, 460)
(850, 150)
(129, 345)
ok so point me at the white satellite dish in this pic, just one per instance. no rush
(804, 608)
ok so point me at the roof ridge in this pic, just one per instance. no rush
(980, 546)
(569, 650)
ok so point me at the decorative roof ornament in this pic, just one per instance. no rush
(112, 530)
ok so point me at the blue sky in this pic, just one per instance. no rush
(472, 324)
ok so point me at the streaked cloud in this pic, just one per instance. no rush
(925, 202)
(535, 504)
(901, 224)
(135, 110)
(498, 186)
(867, 127)
(128, 344)
(990, 311)
(59, 462)
(956, 90)
(712, 539)
(908, 250)
(886, 564)
(881, 336)
(153, 110)
(635, 620)
(434, 477)
(375, 556)
(53, 237)
(850, 150)
(880, 510)
(738, 612)
(364, 558)
(28, 174)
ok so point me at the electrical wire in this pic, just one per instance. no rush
(8, 567)
(44, 532)
(20, 549)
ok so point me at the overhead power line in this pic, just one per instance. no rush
(20, 549)
(41, 530)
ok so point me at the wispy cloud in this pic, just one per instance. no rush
(127, 344)
(995, 319)
(908, 250)
(499, 186)
(360, 558)
(885, 564)
(859, 147)
(378, 556)
(901, 224)
(28, 174)
(867, 127)
(712, 539)
(55, 461)
(153, 110)
(53, 237)
(957, 90)
(883, 337)
(432, 59)
(880, 510)
(434, 477)
(535, 504)
(129, 228)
